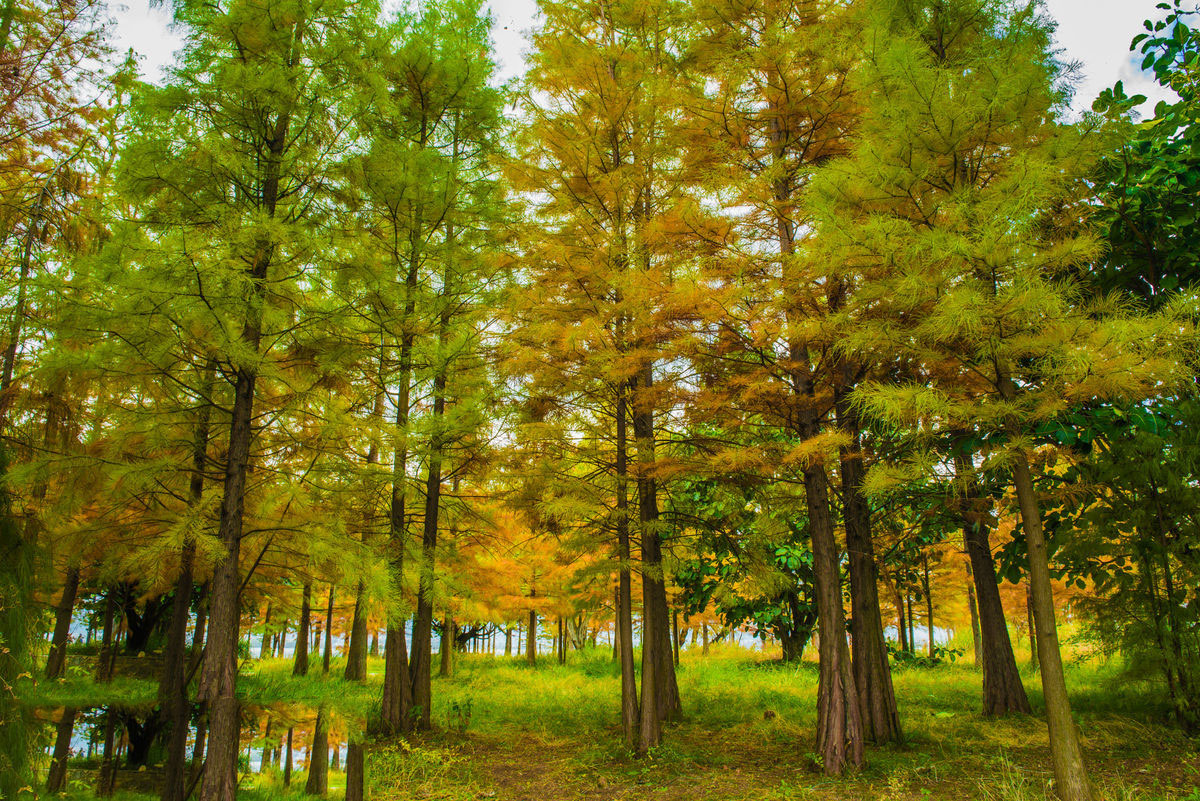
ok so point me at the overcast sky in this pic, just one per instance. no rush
(1094, 32)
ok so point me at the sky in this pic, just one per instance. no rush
(1095, 33)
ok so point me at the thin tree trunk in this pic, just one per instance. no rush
(446, 649)
(623, 630)
(104, 660)
(173, 686)
(928, 604)
(973, 608)
(531, 638)
(328, 633)
(1070, 774)
(287, 765)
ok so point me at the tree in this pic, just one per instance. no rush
(959, 208)
(235, 148)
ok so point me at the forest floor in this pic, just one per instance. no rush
(509, 732)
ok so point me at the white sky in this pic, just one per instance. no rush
(1093, 32)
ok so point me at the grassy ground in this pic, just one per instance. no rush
(506, 731)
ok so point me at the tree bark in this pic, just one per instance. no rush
(869, 658)
(303, 632)
(318, 758)
(446, 648)
(104, 660)
(925, 585)
(328, 633)
(531, 638)
(1070, 774)
(56, 778)
(356, 656)
(660, 692)
(973, 609)
(287, 765)
(354, 771)
(1003, 692)
(623, 630)
(62, 624)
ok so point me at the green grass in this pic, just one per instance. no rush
(507, 731)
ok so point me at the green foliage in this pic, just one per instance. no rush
(19, 626)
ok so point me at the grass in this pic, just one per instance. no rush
(507, 731)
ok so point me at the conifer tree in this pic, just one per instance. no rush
(958, 211)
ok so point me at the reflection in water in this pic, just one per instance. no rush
(112, 748)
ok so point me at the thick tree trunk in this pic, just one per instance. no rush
(356, 656)
(1070, 774)
(56, 778)
(303, 632)
(218, 690)
(872, 673)
(508, 633)
(318, 758)
(660, 692)
(62, 624)
(354, 772)
(1003, 692)
(839, 723)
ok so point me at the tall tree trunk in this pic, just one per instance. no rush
(287, 764)
(872, 673)
(508, 633)
(973, 609)
(531, 638)
(1003, 692)
(325, 659)
(660, 692)
(1032, 626)
(925, 585)
(56, 778)
(623, 630)
(1070, 774)
(104, 660)
(172, 687)
(318, 757)
(422, 654)
(267, 646)
(446, 648)
(356, 656)
(303, 632)
(355, 773)
(62, 624)
(106, 780)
